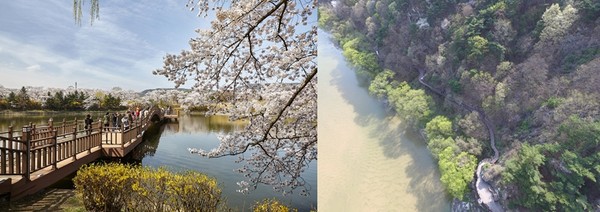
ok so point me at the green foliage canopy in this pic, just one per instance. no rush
(412, 104)
(457, 171)
(439, 127)
(382, 84)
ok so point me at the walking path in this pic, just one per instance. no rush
(484, 189)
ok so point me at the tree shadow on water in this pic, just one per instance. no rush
(397, 141)
(346, 82)
(390, 133)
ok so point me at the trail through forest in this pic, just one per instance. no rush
(484, 189)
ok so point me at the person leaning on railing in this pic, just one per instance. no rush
(88, 124)
(125, 122)
(106, 120)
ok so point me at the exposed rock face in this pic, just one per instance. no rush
(460, 206)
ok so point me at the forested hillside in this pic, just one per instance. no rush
(530, 67)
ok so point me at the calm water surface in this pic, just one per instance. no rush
(198, 131)
(367, 161)
(168, 145)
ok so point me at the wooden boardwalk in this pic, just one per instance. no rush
(172, 116)
(36, 157)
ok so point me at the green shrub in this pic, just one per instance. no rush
(271, 205)
(524, 126)
(455, 86)
(116, 187)
(105, 187)
(553, 102)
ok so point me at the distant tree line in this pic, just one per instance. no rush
(20, 100)
(71, 99)
(60, 100)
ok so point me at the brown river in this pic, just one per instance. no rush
(367, 160)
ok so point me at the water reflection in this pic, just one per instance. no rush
(148, 146)
(168, 145)
(200, 123)
(188, 124)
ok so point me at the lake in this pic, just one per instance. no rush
(168, 145)
(367, 160)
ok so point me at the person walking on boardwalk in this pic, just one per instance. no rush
(114, 121)
(130, 116)
(137, 112)
(119, 122)
(88, 124)
(125, 122)
(146, 111)
(106, 120)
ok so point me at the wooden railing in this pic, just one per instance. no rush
(35, 148)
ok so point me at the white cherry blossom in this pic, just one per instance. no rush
(259, 60)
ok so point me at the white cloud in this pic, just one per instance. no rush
(34, 68)
(40, 45)
(65, 72)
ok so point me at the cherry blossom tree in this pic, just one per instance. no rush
(256, 62)
(166, 96)
(259, 60)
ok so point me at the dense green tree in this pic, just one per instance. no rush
(12, 99)
(55, 102)
(581, 136)
(70, 101)
(523, 170)
(574, 164)
(23, 102)
(478, 46)
(364, 61)
(571, 164)
(326, 18)
(382, 84)
(110, 102)
(437, 145)
(74, 100)
(457, 171)
(412, 104)
(439, 127)
(567, 174)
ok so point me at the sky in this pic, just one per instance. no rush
(41, 45)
